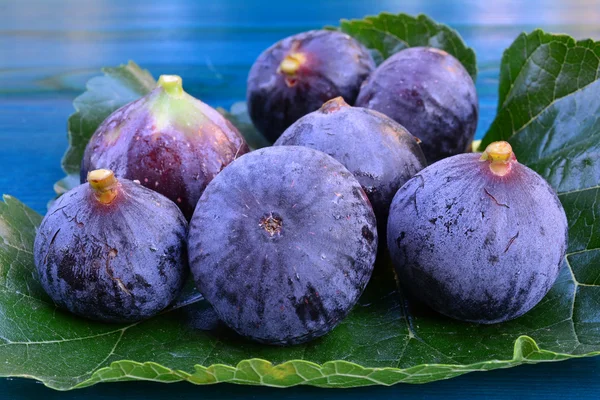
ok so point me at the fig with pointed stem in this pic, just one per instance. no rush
(478, 237)
(112, 250)
(298, 74)
(380, 153)
(168, 140)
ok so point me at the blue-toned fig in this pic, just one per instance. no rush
(282, 244)
(479, 238)
(112, 250)
(168, 140)
(431, 94)
(380, 153)
(298, 74)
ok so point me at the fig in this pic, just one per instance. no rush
(478, 237)
(282, 244)
(298, 74)
(112, 250)
(168, 140)
(380, 153)
(431, 94)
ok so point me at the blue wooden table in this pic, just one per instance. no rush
(48, 50)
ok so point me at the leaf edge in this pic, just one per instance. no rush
(525, 351)
(473, 70)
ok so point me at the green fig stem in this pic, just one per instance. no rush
(500, 157)
(172, 84)
(105, 185)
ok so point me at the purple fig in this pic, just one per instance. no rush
(112, 250)
(431, 94)
(168, 140)
(380, 153)
(478, 237)
(298, 74)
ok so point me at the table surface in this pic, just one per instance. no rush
(48, 50)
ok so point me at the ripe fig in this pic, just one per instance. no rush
(380, 153)
(479, 238)
(430, 93)
(298, 74)
(282, 244)
(168, 140)
(112, 250)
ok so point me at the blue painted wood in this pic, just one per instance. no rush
(48, 50)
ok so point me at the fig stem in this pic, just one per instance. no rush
(172, 84)
(333, 105)
(104, 183)
(292, 63)
(500, 157)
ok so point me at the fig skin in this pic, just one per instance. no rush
(119, 262)
(298, 74)
(431, 94)
(168, 140)
(380, 153)
(282, 244)
(474, 245)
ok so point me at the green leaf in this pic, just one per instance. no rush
(104, 94)
(387, 34)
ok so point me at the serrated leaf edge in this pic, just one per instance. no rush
(418, 17)
(261, 372)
